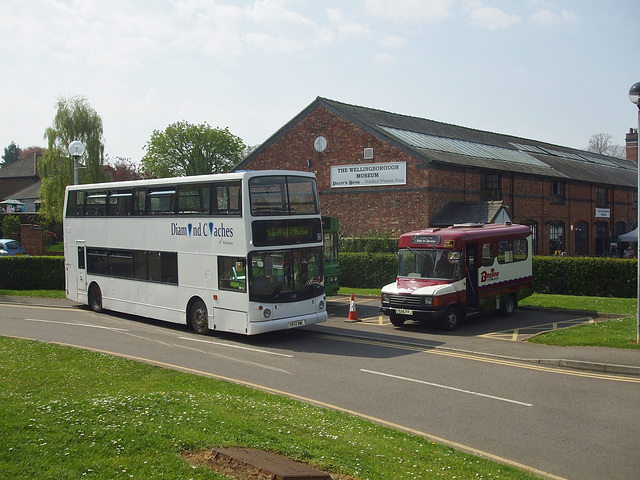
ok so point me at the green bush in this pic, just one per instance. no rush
(32, 273)
(367, 270)
(373, 244)
(585, 276)
(11, 227)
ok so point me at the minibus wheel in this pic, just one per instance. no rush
(508, 306)
(396, 320)
(198, 317)
(95, 298)
(451, 318)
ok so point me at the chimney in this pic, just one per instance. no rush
(631, 139)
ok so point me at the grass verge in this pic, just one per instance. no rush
(69, 413)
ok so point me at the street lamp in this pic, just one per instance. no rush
(76, 150)
(634, 96)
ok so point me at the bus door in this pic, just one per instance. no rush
(82, 266)
(471, 260)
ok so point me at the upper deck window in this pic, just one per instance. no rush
(283, 195)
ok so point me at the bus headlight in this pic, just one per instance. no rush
(266, 312)
(321, 304)
(428, 301)
(384, 297)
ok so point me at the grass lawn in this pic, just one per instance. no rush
(70, 413)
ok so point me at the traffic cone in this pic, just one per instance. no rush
(353, 316)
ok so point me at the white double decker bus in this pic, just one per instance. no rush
(238, 252)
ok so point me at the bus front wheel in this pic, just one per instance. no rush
(198, 317)
(396, 320)
(451, 318)
(95, 298)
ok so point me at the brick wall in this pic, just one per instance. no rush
(32, 239)
(398, 209)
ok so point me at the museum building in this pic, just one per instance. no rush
(381, 172)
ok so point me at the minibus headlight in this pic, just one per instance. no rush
(428, 301)
(321, 304)
(385, 297)
(266, 312)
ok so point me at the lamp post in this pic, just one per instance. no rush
(634, 96)
(76, 150)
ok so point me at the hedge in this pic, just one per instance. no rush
(585, 276)
(581, 276)
(32, 273)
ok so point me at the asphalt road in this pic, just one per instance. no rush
(451, 387)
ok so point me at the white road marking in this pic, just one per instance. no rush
(239, 347)
(502, 399)
(73, 324)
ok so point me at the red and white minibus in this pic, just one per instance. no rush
(445, 274)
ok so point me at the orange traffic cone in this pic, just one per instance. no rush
(353, 316)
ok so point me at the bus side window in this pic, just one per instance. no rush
(487, 254)
(161, 201)
(139, 201)
(193, 199)
(226, 199)
(120, 203)
(75, 204)
(232, 274)
(505, 251)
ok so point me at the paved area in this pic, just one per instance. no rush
(478, 337)
(494, 336)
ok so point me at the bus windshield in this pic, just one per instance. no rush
(433, 264)
(285, 275)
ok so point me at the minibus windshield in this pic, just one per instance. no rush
(434, 264)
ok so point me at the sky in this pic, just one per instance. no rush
(556, 71)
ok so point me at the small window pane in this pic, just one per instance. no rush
(232, 274)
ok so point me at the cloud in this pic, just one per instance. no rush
(431, 11)
(383, 60)
(493, 19)
(391, 41)
(548, 18)
(346, 28)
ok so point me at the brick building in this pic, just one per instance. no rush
(388, 173)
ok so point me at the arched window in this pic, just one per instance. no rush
(556, 237)
(602, 238)
(582, 238)
(533, 225)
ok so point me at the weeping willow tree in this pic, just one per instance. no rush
(75, 120)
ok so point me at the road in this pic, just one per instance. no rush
(562, 423)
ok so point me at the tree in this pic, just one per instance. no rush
(601, 143)
(184, 149)
(122, 169)
(75, 120)
(11, 154)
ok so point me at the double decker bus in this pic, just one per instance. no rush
(446, 274)
(238, 252)
(330, 228)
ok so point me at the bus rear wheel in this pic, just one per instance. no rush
(508, 306)
(95, 298)
(198, 317)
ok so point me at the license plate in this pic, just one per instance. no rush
(404, 311)
(297, 323)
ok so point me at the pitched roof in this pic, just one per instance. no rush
(454, 213)
(24, 167)
(434, 142)
(30, 192)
